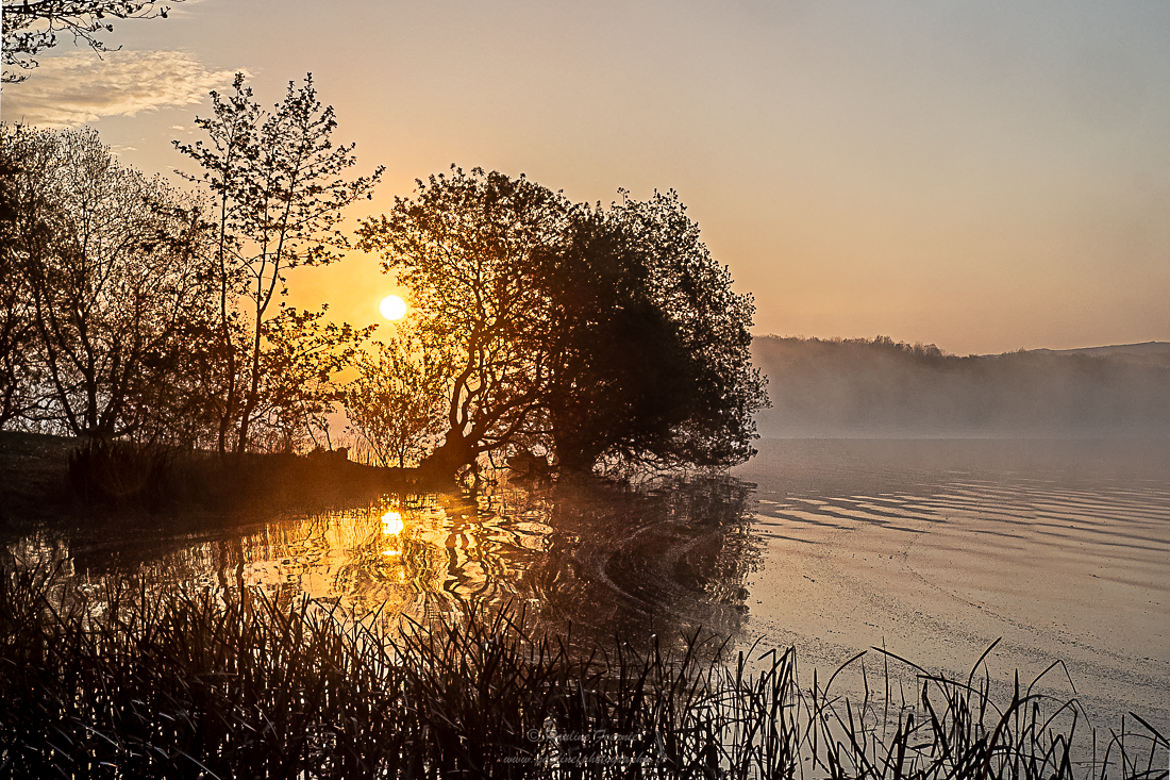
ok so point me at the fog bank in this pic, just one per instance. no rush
(874, 388)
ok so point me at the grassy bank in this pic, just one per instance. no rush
(42, 477)
(130, 683)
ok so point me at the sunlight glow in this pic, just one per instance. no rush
(392, 307)
(392, 524)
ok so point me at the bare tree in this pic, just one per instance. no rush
(109, 261)
(397, 403)
(279, 192)
(17, 368)
(31, 26)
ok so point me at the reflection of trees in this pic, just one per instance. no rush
(601, 558)
(640, 563)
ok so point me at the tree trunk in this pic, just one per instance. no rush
(454, 453)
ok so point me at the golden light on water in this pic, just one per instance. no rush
(393, 307)
(392, 524)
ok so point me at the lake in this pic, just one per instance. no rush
(936, 548)
(932, 548)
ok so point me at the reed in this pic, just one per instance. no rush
(129, 681)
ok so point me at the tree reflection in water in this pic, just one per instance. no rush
(604, 559)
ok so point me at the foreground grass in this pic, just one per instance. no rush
(129, 682)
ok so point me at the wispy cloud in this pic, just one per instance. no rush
(76, 88)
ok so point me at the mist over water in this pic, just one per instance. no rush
(867, 388)
(936, 548)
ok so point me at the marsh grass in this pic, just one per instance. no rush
(128, 682)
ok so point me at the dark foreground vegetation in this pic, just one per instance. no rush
(128, 682)
(53, 478)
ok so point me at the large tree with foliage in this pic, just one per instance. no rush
(710, 324)
(277, 181)
(601, 334)
(31, 26)
(468, 246)
(621, 379)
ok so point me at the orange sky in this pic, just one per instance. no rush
(981, 176)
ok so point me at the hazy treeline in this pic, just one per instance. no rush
(878, 387)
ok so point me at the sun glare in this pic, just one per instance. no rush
(392, 524)
(393, 307)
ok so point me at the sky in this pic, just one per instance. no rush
(982, 176)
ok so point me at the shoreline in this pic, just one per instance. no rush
(41, 481)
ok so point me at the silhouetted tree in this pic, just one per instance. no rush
(397, 402)
(303, 353)
(277, 183)
(17, 369)
(620, 377)
(468, 246)
(109, 261)
(721, 390)
(600, 334)
(31, 26)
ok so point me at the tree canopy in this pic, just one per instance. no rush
(468, 246)
(600, 335)
(590, 335)
(277, 184)
(105, 262)
(130, 308)
(31, 26)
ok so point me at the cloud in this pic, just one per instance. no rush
(76, 88)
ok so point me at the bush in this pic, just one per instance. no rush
(121, 473)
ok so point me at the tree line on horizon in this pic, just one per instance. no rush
(880, 387)
(134, 309)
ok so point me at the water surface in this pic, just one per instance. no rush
(933, 549)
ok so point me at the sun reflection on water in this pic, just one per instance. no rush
(392, 524)
(572, 556)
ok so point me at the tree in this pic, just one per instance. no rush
(397, 402)
(277, 183)
(31, 26)
(468, 246)
(109, 261)
(599, 334)
(17, 369)
(303, 353)
(621, 378)
(711, 322)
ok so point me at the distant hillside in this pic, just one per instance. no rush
(1153, 353)
(878, 387)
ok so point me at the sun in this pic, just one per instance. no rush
(393, 307)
